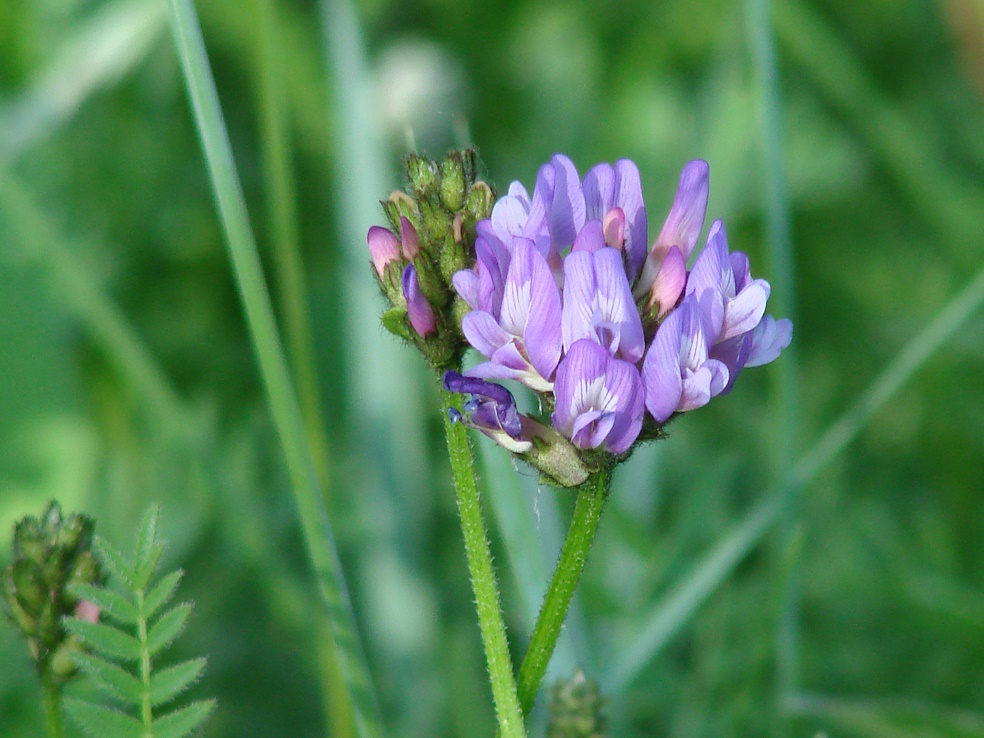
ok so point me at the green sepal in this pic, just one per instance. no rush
(395, 321)
(100, 722)
(183, 721)
(169, 682)
(111, 677)
(112, 603)
(167, 628)
(479, 201)
(105, 638)
(160, 594)
(423, 176)
(432, 284)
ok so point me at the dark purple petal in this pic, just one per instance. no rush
(492, 408)
(419, 311)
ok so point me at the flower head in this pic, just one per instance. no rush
(562, 292)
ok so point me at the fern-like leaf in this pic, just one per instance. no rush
(167, 628)
(101, 722)
(169, 682)
(183, 721)
(160, 594)
(116, 680)
(106, 638)
(137, 634)
(112, 603)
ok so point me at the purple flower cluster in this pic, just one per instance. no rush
(568, 298)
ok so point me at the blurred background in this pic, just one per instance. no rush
(127, 374)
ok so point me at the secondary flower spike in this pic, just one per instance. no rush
(562, 291)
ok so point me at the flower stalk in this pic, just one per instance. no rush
(484, 585)
(573, 557)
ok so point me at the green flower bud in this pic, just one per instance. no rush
(423, 175)
(453, 181)
(576, 709)
(50, 553)
(479, 201)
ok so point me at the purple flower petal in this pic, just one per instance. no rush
(591, 237)
(491, 410)
(628, 196)
(409, 239)
(598, 304)
(686, 219)
(567, 207)
(661, 369)
(599, 399)
(599, 191)
(531, 307)
(669, 283)
(384, 247)
(768, 339)
(419, 311)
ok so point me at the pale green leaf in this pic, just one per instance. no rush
(167, 683)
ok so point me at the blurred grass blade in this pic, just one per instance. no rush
(888, 718)
(103, 50)
(283, 404)
(681, 604)
(282, 212)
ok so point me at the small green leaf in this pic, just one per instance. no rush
(181, 722)
(144, 570)
(110, 602)
(111, 677)
(105, 638)
(161, 594)
(167, 628)
(100, 722)
(114, 561)
(166, 683)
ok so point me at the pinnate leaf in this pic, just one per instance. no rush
(111, 677)
(161, 593)
(181, 722)
(110, 602)
(101, 722)
(168, 627)
(105, 638)
(167, 683)
(113, 560)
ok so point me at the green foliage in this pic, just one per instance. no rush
(138, 629)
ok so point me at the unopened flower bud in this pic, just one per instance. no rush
(423, 175)
(453, 182)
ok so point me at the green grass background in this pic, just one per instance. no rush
(127, 373)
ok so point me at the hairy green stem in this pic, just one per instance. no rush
(479, 557)
(51, 690)
(573, 556)
(146, 713)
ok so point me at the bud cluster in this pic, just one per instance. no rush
(576, 709)
(50, 554)
(431, 237)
